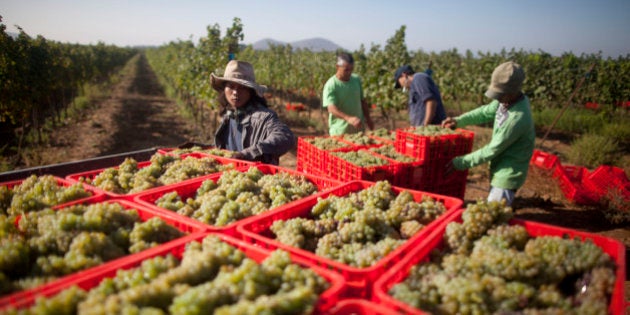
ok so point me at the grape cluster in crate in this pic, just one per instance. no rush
(193, 232)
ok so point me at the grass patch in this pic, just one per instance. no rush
(593, 150)
(572, 121)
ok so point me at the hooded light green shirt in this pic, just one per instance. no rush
(512, 144)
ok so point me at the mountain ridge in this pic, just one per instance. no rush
(315, 44)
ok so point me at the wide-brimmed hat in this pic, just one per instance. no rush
(507, 79)
(239, 72)
(399, 72)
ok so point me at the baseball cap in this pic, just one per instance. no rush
(399, 72)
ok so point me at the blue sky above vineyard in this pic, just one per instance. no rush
(554, 26)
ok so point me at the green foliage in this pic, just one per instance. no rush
(617, 130)
(572, 120)
(592, 150)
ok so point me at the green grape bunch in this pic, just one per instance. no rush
(326, 143)
(432, 130)
(390, 152)
(238, 195)
(211, 277)
(48, 244)
(360, 138)
(162, 170)
(491, 267)
(36, 193)
(198, 149)
(360, 228)
(382, 133)
(361, 158)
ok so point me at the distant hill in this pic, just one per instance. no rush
(313, 44)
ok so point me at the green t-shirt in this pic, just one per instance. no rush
(346, 96)
(511, 146)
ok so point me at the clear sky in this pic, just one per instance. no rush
(554, 26)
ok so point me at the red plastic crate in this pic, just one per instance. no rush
(65, 183)
(236, 162)
(90, 280)
(310, 159)
(382, 140)
(189, 188)
(342, 138)
(544, 160)
(360, 307)
(571, 182)
(144, 214)
(90, 175)
(433, 148)
(406, 174)
(606, 178)
(256, 231)
(340, 169)
(435, 240)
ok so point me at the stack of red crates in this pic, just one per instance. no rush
(571, 180)
(607, 181)
(434, 152)
(313, 160)
(581, 186)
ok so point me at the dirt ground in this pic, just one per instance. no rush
(138, 116)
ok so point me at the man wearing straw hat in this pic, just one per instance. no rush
(513, 134)
(250, 129)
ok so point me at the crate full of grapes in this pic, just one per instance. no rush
(207, 273)
(44, 248)
(433, 143)
(131, 177)
(226, 156)
(311, 152)
(220, 201)
(362, 164)
(358, 229)
(36, 193)
(480, 260)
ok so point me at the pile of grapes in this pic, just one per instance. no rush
(360, 228)
(383, 134)
(48, 244)
(212, 277)
(198, 149)
(361, 158)
(490, 267)
(37, 193)
(359, 138)
(432, 130)
(163, 170)
(237, 195)
(326, 143)
(390, 152)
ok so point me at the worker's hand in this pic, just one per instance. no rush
(354, 121)
(238, 155)
(449, 122)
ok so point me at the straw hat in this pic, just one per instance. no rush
(239, 72)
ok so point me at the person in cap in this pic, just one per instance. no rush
(247, 126)
(425, 101)
(512, 144)
(348, 111)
